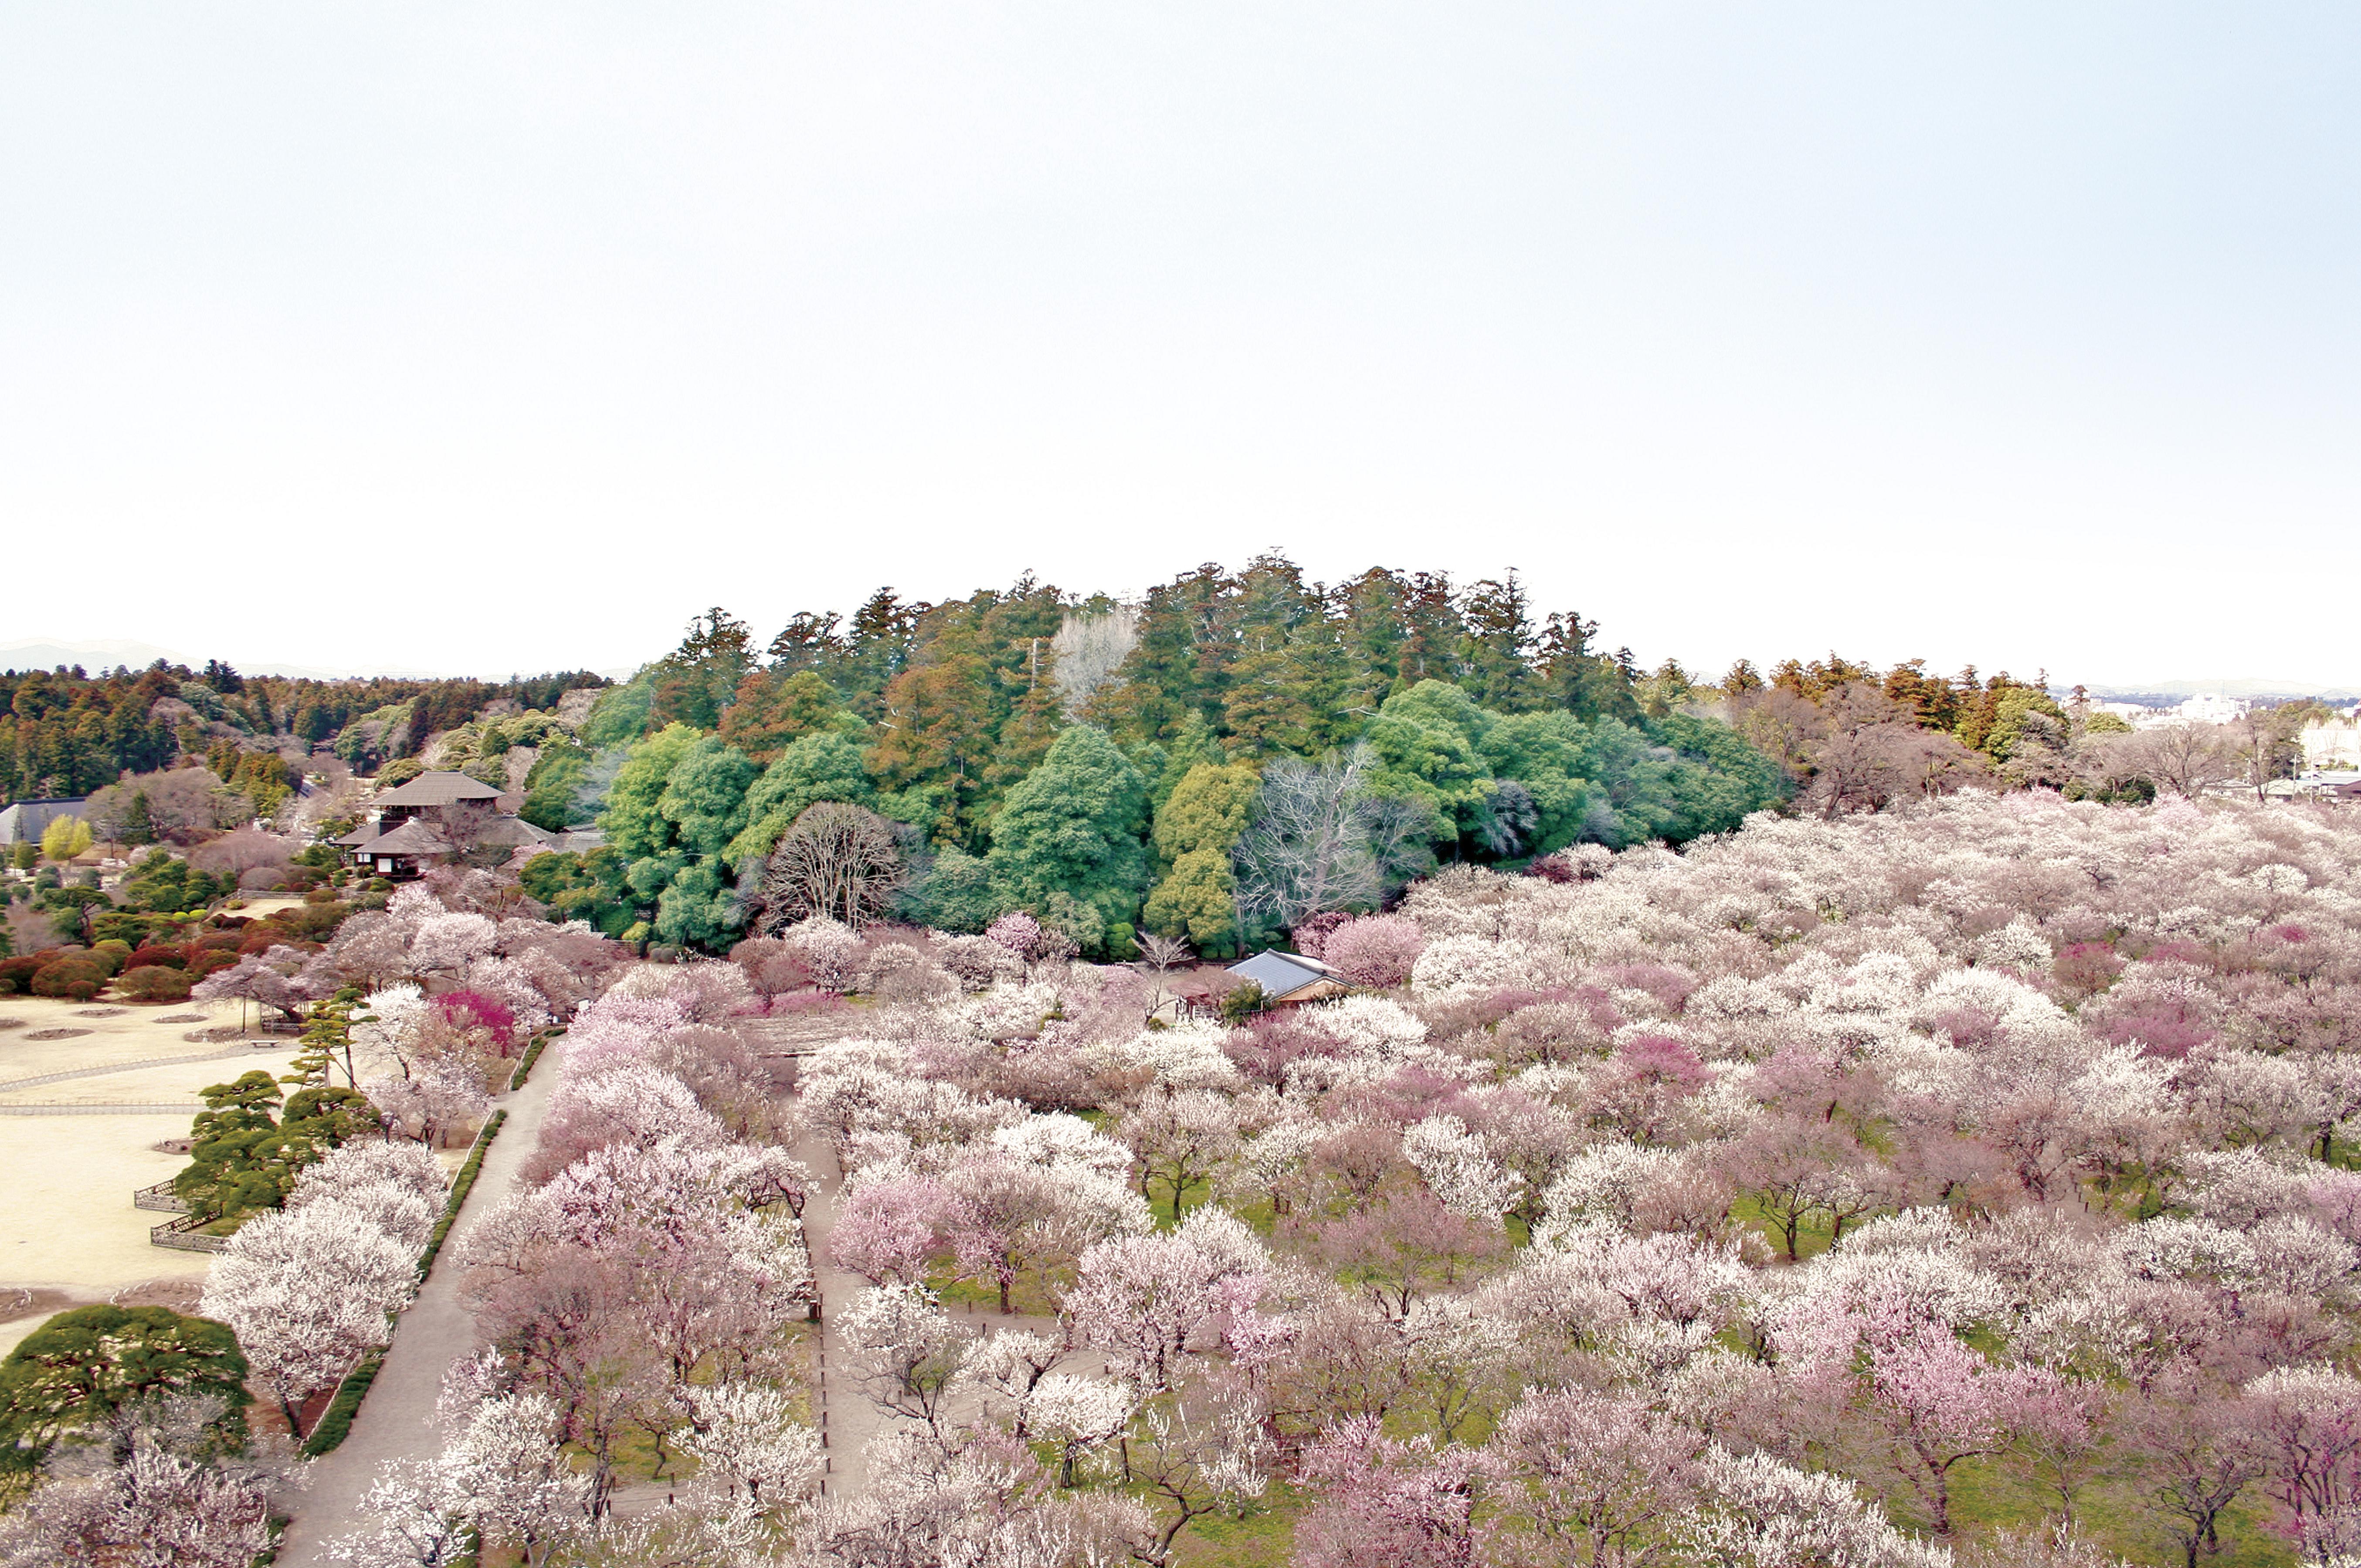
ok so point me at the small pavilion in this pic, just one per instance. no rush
(1289, 980)
(412, 826)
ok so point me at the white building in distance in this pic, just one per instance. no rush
(2332, 745)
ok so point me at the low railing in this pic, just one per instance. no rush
(161, 1198)
(184, 1234)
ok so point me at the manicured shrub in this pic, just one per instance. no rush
(77, 977)
(19, 972)
(157, 958)
(153, 984)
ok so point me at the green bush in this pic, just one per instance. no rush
(77, 977)
(532, 1055)
(154, 982)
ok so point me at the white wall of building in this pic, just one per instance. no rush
(2332, 745)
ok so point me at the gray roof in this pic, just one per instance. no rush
(366, 833)
(1281, 974)
(437, 789)
(514, 831)
(412, 837)
(25, 820)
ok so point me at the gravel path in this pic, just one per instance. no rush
(396, 1421)
(846, 1421)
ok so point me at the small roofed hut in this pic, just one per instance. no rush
(1289, 980)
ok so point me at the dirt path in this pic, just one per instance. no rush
(848, 1422)
(396, 1421)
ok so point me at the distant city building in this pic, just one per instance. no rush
(2196, 710)
(2212, 710)
(2332, 745)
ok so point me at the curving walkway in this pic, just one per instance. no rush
(397, 1420)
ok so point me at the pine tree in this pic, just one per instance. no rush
(1497, 646)
(138, 821)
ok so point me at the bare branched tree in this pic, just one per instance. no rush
(1870, 754)
(2263, 742)
(1159, 956)
(467, 824)
(1162, 954)
(1320, 841)
(2182, 757)
(837, 861)
(1090, 649)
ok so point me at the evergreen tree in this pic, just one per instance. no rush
(953, 892)
(697, 680)
(1067, 842)
(633, 821)
(884, 630)
(1583, 682)
(81, 1365)
(1497, 646)
(816, 768)
(1196, 828)
(771, 709)
(704, 797)
(809, 642)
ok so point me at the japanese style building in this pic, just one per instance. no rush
(432, 820)
(1289, 980)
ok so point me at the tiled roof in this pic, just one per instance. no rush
(437, 789)
(412, 837)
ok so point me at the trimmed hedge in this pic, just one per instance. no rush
(532, 1055)
(460, 1187)
(336, 1421)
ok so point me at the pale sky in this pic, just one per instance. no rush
(506, 336)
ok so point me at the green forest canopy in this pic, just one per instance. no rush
(1096, 764)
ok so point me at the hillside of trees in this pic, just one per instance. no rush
(67, 733)
(1234, 753)
(1239, 751)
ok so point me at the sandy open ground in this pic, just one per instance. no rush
(69, 1223)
